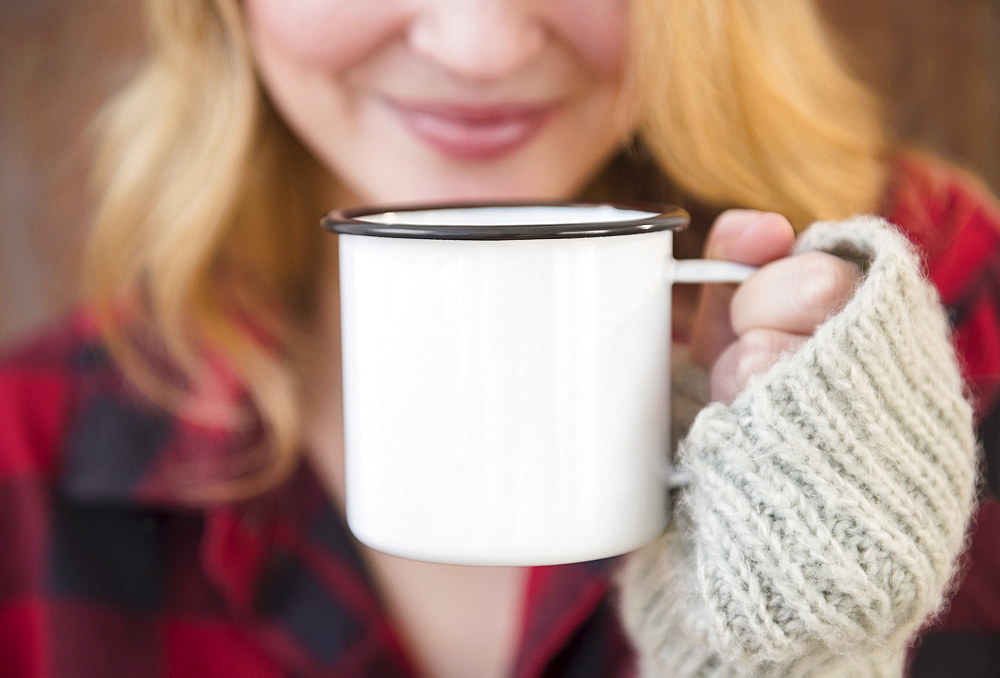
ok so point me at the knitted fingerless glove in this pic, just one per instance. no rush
(828, 503)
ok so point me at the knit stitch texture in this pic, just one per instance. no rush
(828, 503)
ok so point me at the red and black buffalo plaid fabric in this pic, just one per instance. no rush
(103, 574)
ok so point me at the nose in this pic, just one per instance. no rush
(478, 40)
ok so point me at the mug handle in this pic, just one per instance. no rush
(700, 271)
(709, 271)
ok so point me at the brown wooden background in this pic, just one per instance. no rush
(936, 61)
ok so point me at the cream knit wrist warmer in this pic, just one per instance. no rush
(828, 503)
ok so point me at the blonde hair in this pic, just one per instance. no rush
(206, 239)
(746, 103)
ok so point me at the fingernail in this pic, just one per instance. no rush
(730, 227)
(753, 224)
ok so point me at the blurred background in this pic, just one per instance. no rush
(936, 62)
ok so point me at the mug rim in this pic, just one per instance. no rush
(350, 221)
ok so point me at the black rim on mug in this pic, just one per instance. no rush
(392, 222)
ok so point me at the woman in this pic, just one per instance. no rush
(172, 457)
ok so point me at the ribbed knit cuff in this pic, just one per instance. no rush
(829, 501)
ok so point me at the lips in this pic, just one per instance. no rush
(473, 133)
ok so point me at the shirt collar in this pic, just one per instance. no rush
(123, 449)
(284, 561)
(300, 579)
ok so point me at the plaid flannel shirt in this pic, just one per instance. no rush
(103, 573)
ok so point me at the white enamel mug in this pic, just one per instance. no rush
(506, 378)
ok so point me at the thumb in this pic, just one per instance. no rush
(746, 237)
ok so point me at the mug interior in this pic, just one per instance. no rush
(508, 215)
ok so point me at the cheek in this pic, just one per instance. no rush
(597, 30)
(327, 34)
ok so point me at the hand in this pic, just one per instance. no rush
(742, 331)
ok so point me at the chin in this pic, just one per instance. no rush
(496, 189)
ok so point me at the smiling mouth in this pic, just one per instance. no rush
(473, 133)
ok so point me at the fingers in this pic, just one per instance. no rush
(741, 331)
(753, 353)
(747, 237)
(794, 294)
